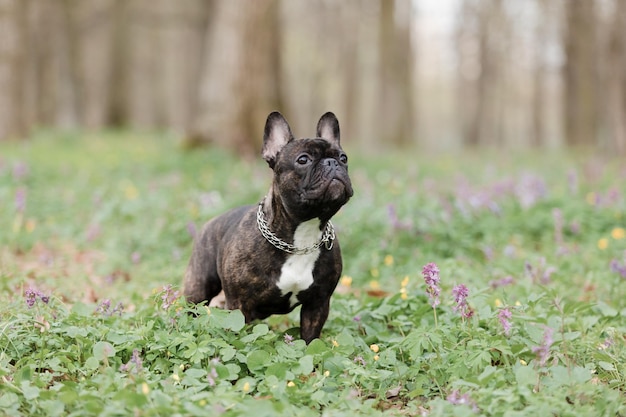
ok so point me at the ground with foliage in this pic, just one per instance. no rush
(528, 287)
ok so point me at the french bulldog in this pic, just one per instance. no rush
(282, 253)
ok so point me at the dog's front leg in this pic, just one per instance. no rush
(312, 319)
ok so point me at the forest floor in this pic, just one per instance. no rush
(96, 231)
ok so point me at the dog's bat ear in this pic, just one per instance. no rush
(328, 127)
(277, 134)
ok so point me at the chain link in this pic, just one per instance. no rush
(327, 239)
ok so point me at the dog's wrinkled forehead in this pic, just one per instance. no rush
(316, 148)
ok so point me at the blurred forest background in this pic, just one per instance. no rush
(443, 73)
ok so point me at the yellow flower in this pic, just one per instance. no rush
(335, 344)
(30, 225)
(618, 233)
(346, 281)
(376, 357)
(388, 260)
(405, 281)
(375, 348)
(498, 302)
(523, 362)
(17, 223)
(403, 294)
(291, 384)
(246, 387)
(374, 285)
(591, 198)
(326, 373)
(130, 191)
(603, 243)
(175, 377)
(517, 303)
(145, 389)
(194, 211)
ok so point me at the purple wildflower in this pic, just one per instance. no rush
(456, 398)
(460, 294)
(104, 308)
(572, 182)
(135, 257)
(93, 231)
(356, 319)
(20, 200)
(212, 377)
(168, 296)
(557, 215)
(618, 268)
(288, 339)
(504, 315)
(192, 229)
(502, 282)
(359, 360)
(431, 277)
(31, 295)
(396, 223)
(540, 274)
(135, 364)
(543, 351)
(393, 216)
(529, 190)
(20, 170)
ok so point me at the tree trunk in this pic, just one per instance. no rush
(13, 18)
(240, 84)
(395, 63)
(616, 82)
(538, 100)
(580, 73)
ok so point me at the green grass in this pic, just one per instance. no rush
(99, 225)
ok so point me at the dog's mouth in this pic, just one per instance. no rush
(337, 190)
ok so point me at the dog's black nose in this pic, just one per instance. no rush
(330, 162)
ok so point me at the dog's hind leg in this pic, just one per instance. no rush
(201, 282)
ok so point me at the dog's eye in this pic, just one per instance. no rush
(343, 158)
(303, 159)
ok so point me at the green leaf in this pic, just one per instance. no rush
(195, 372)
(279, 370)
(257, 360)
(28, 391)
(92, 363)
(606, 310)
(581, 375)
(227, 353)
(103, 350)
(83, 310)
(607, 366)
(261, 329)
(317, 347)
(8, 399)
(525, 375)
(234, 321)
(305, 365)
(487, 374)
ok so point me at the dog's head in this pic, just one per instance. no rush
(310, 174)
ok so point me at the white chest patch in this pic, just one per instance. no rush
(297, 272)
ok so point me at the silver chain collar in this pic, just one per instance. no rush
(327, 238)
